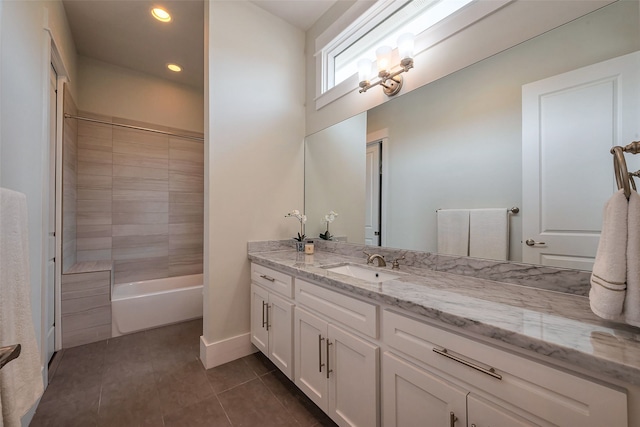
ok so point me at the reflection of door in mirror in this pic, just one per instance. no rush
(569, 124)
(372, 197)
(334, 179)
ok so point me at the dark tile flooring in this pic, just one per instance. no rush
(154, 378)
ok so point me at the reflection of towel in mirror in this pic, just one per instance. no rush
(632, 298)
(453, 231)
(608, 279)
(21, 379)
(489, 233)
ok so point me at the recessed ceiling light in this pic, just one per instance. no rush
(160, 14)
(174, 67)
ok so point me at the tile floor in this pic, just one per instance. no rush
(154, 378)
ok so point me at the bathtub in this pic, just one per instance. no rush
(151, 303)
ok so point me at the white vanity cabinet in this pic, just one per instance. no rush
(272, 316)
(336, 368)
(436, 367)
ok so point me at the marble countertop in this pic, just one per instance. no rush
(552, 324)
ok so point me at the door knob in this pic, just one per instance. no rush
(531, 242)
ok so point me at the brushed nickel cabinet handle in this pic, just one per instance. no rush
(265, 277)
(491, 371)
(268, 306)
(264, 322)
(452, 419)
(320, 364)
(328, 370)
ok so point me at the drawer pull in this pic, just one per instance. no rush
(265, 277)
(264, 322)
(320, 364)
(490, 371)
(452, 419)
(268, 306)
(328, 370)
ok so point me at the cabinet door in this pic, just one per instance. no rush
(483, 413)
(415, 397)
(259, 333)
(280, 317)
(353, 379)
(310, 357)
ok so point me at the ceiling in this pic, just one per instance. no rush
(123, 33)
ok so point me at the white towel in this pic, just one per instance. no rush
(632, 297)
(21, 383)
(453, 231)
(608, 279)
(489, 233)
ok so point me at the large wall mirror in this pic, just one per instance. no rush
(457, 142)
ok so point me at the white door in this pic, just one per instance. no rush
(485, 413)
(372, 198)
(259, 333)
(416, 397)
(50, 286)
(569, 124)
(280, 317)
(311, 357)
(353, 379)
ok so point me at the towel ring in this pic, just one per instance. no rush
(620, 170)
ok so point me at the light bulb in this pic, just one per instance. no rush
(405, 46)
(160, 14)
(364, 69)
(383, 57)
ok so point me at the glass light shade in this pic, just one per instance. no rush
(405, 46)
(364, 69)
(383, 57)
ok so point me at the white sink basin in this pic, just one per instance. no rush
(369, 274)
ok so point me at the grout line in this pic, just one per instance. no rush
(223, 409)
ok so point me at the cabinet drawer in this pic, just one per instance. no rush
(272, 280)
(547, 393)
(358, 315)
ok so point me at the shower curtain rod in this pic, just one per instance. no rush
(69, 116)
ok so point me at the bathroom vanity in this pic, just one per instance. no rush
(417, 346)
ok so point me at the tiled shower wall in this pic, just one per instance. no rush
(69, 183)
(139, 199)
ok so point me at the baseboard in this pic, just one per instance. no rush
(220, 352)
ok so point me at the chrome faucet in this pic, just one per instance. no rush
(380, 258)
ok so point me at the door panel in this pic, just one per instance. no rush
(280, 334)
(570, 122)
(50, 285)
(372, 197)
(259, 334)
(311, 357)
(353, 379)
(416, 397)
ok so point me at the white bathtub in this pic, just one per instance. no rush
(151, 303)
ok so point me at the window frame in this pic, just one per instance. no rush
(333, 40)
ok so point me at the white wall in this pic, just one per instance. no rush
(334, 179)
(24, 103)
(253, 159)
(456, 143)
(504, 28)
(121, 92)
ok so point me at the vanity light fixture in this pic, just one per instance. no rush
(160, 14)
(389, 77)
(174, 67)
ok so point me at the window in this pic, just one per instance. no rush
(413, 17)
(431, 21)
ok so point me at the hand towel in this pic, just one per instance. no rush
(489, 233)
(21, 382)
(608, 278)
(632, 297)
(453, 231)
